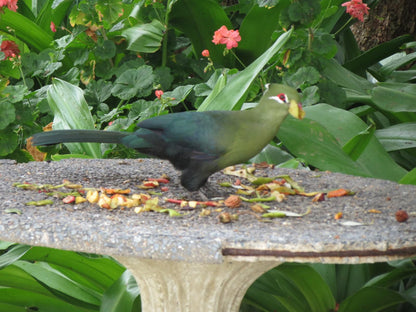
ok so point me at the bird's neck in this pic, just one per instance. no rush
(270, 110)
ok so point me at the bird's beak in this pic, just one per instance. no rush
(295, 109)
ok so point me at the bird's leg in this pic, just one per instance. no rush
(202, 194)
(208, 192)
(199, 195)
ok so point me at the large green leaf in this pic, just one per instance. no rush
(395, 63)
(122, 295)
(351, 278)
(145, 38)
(101, 270)
(216, 89)
(8, 114)
(71, 112)
(372, 299)
(26, 30)
(77, 279)
(356, 145)
(199, 20)
(134, 82)
(345, 78)
(233, 94)
(22, 300)
(319, 139)
(389, 97)
(8, 142)
(13, 254)
(376, 54)
(312, 142)
(311, 285)
(272, 155)
(328, 272)
(290, 287)
(409, 178)
(256, 30)
(398, 137)
(96, 272)
(55, 280)
(14, 277)
(392, 278)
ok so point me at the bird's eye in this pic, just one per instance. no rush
(282, 97)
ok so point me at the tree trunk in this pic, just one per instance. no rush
(387, 20)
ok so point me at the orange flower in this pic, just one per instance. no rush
(158, 93)
(205, 53)
(356, 8)
(11, 4)
(9, 48)
(228, 37)
(53, 28)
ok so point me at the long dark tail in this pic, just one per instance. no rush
(66, 136)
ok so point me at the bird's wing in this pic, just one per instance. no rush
(206, 134)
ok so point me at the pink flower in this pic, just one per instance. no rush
(9, 48)
(205, 53)
(227, 37)
(158, 93)
(11, 4)
(53, 28)
(356, 8)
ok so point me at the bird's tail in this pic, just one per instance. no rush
(66, 136)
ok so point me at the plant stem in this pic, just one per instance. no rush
(310, 39)
(165, 37)
(316, 26)
(343, 26)
(19, 65)
(237, 58)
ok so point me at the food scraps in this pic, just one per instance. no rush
(401, 216)
(263, 194)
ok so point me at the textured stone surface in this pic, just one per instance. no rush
(316, 237)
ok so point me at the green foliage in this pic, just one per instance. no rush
(97, 44)
(50, 280)
(71, 112)
(100, 70)
(145, 38)
(235, 92)
(324, 139)
(198, 20)
(318, 287)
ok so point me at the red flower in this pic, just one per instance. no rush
(228, 37)
(53, 28)
(205, 53)
(11, 4)
(356, 8)
(9, 48)
(158, 93)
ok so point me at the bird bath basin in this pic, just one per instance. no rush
(196, 263)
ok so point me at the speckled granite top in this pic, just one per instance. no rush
(316, 237)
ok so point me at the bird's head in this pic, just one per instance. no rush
(286, 95)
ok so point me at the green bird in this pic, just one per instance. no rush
(198, 143)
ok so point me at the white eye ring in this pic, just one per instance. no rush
(278, 98)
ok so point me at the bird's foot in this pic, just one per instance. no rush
(205, 193)
(208, 192)
(199, 196)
